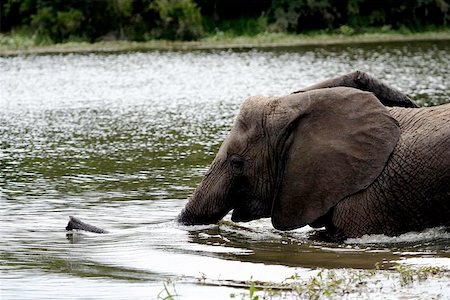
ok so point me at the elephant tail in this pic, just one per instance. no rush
(75, 223)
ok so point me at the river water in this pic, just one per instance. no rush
(121, 141)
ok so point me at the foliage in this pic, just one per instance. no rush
(304, 14)
(297, 16)
(62, 20)
(57, 24)
(178, 19)
(65, 20)
(252, 291)
(409, 13)
(237, 27)
(330, 284)
(408, 274)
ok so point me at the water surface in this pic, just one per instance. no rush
(121, 141)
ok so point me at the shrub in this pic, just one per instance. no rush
(57, 25)
(297, 16)
(237, 27)
(68, 23)
(397, 13)
(178, 19)
(300, 15)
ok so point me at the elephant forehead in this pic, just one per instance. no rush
(256, 106)
(257, 111)
(240, 141)
(254, 102)
(249, 118)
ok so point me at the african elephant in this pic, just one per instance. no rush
(350, 154)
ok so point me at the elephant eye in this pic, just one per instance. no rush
(237, 164)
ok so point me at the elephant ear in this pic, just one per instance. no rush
(338, 142)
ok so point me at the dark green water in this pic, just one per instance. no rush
(122, 140)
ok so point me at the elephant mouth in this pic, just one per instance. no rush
(186, 217)
(241, 215)
(324, 220)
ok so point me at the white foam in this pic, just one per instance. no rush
(440, 262)
(410, 237)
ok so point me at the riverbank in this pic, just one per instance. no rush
(11, 45)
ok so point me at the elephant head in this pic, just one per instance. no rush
(294, 158)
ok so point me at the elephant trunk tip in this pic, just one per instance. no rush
(75, 223)
(186, 217)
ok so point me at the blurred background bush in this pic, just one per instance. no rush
(139, 20)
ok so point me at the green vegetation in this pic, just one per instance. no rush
(408, 275)
(327, 284)
(330, 284)
(168, 292)
(19, 44)
(333, 284)
(43, 22)
(178, 19)
(53, 26)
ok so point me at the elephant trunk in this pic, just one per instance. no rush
(75, 223)
(203, 210)
(209, 203)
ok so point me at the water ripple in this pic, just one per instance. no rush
(122, 140)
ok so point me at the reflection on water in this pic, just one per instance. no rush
(122, 140)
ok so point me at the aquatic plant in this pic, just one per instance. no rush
(409, 274)
(331, 284)
(168, 292)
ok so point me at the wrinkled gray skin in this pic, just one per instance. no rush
(351, 154)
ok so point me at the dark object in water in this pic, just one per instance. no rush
(76, 223)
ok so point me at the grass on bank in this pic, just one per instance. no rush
(330, 284)
(23, 43)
